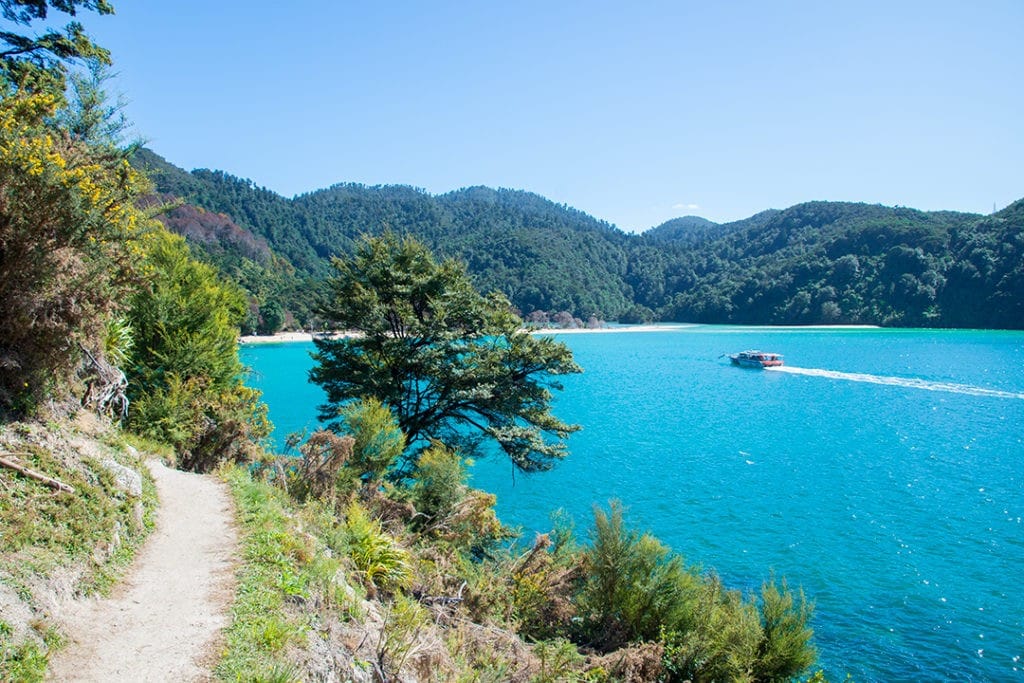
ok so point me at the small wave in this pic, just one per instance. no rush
(908, 382)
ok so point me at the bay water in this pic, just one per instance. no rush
(881, 471)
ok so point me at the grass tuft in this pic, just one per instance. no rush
(281, 577)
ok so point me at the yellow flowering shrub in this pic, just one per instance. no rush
(67, 221)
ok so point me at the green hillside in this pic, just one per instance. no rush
(818, 262)
(825, 262)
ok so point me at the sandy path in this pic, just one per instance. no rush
(162, 624)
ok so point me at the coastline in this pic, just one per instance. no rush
(292, 337)
(663, 327)
(287, 337)
(278, 338)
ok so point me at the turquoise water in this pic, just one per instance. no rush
(881, 470)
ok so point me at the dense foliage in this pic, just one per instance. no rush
(450, 363)
(984, 283)
(820, 262)
(67, 228)
(38, 63)
(99, 305)
(184, 375)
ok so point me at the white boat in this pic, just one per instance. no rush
(756, 359)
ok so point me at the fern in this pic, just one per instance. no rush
(383, 564)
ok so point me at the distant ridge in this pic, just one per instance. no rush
(692, 229)
(816, 262)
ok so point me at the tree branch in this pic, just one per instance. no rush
(56, 484)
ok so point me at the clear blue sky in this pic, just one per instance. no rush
(635, 112)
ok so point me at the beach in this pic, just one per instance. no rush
(280, 337)
(285, 337)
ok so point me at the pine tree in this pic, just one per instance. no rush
(452, 364)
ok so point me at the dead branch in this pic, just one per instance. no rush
(11, 462)
(443, 600)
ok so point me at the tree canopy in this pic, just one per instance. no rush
(38, 61)
(452, 364)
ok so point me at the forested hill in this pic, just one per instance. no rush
(543, 256)
(819, 262)
(691, 229)
(696, 230)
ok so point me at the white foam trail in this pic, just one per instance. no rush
(909, 382)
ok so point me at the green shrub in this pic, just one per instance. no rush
(448, 509)
(785, 649)
(378, 440)
(729, 638)
(382, 564)
(205, 426)
(634, 587)
(185, 378)
(437, 484)
(718, 642)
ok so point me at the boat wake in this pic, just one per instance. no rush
(909, 382)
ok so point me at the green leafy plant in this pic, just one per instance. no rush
(634, 585)
(785, 649)
(378, 441)
(718, 641)
(382, 563)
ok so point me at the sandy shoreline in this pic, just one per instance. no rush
(288, 337)
(280, 337)
(666, 327)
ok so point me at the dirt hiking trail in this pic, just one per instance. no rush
(162, 623)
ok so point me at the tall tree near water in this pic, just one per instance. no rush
(450, 363)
